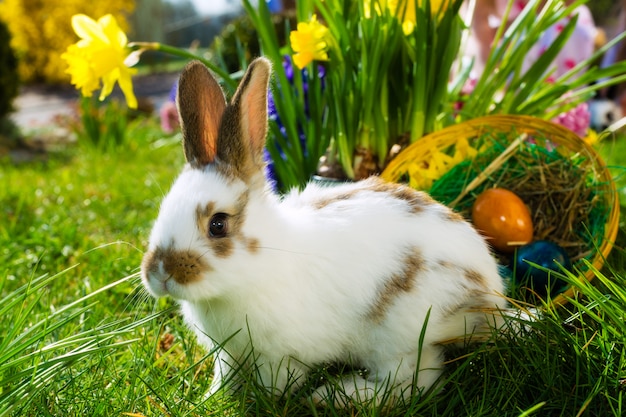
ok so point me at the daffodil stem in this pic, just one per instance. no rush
(229, 79)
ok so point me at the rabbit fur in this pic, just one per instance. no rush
(349, 273)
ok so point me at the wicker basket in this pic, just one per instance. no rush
(512, 127)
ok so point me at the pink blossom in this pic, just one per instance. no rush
(466, 90)
(569, 63)
(169, 117)
(577, 119)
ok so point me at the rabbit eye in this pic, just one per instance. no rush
(218, 225)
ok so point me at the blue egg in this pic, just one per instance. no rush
(547, 255)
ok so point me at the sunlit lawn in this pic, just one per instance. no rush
(78, 223)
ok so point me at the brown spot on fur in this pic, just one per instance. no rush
(475, 277)
(184, 266)
(453, 216)
(470, 275)
(242, 202)
(399, 283)
(202, 216)
(222, 247)
(445, 264)
(416, 200)
(252, 245)
(322, 203)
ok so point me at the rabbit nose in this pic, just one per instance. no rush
(183, 266)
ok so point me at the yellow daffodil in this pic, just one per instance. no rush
(98, 58)
(417, 179)
(423, 174)
(309, 42)
(592, 137)
(463, 151)
(405, 10)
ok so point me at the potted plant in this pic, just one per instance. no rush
(360, 80)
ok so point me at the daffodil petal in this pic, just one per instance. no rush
(302, 59)
(112, 31)
(87, 28)
(126, 85)
(133, 58)
(108, 82)
(80, 71)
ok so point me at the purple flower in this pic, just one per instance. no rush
(270, 170)
(274, 117)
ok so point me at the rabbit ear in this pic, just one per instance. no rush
(201, 104)
(244, 126)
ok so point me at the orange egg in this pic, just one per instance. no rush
(503, 219)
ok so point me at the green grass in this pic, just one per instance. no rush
(79, 337)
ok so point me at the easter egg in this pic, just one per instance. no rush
(547, 255)
(503, 219)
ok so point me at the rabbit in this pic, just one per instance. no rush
(369, 273)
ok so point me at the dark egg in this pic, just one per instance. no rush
(547, 255)
(503, 219)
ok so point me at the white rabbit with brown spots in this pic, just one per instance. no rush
(349, 273)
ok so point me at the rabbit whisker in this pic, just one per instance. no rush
(285, 250)
(137, 296)
(155, 183)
